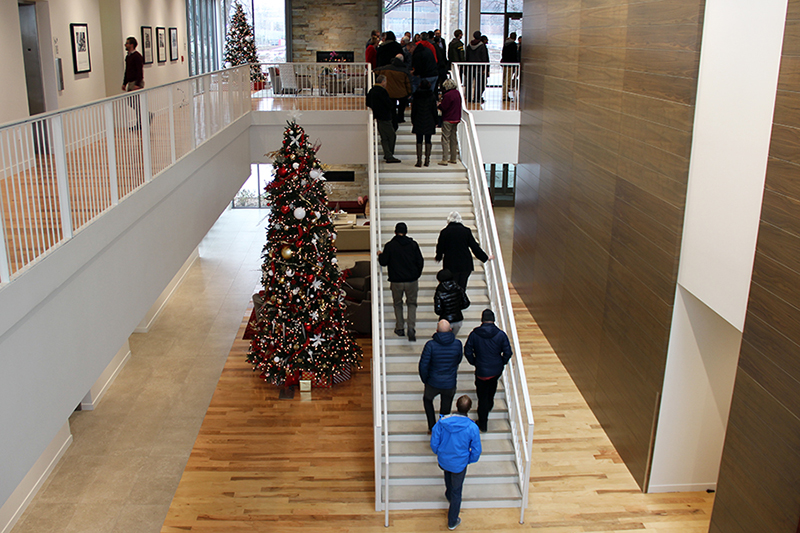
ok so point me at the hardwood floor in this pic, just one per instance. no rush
(264, 464)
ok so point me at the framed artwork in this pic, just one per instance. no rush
(81, 60)
(147, 44)
(161, 44)
(173, 44)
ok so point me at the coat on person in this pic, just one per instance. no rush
(403, 258)
(456, 245)
(387, 51)
(509, 53)
(493, 348)
(398, 78)
(423, 63)
(456, 442)
(424, 116)
(476, 52)
(381, 104)
(455, 51)
(451, 105)
(449, 299)
(438, 364)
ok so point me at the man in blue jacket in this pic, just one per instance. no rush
(438, 369)
(457, 443)
(488, 350)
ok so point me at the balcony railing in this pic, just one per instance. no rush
(62, 170)
(313, 86)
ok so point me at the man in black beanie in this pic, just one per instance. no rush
(404, 261)
(488, 350)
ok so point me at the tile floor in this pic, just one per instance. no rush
(128, 455)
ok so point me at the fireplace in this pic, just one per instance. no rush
(336, 56)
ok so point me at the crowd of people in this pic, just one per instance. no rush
(416, 70)
(455, 438)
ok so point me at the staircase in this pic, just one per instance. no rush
(422, 198)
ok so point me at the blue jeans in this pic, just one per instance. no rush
(453, 484)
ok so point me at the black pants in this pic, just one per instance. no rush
(485, 388)
(461, 278)
(445, 405)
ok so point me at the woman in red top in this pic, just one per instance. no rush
(372, 52)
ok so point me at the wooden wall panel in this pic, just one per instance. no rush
(610, 113)
(759, 481)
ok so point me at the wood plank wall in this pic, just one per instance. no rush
(608, 91)
(759, 480)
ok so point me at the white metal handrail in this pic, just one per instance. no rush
(514, 380)
(494, 85)
(59, 171)
(316, 86)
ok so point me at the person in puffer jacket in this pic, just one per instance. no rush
(488, 350)
(449, 299)
(438, 370)
(456, 442)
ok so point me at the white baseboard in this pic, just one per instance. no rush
(151, 316)
(105, 380)
(687, 487)
(12, 509)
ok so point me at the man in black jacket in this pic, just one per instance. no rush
(388, 50)
(455, 246)
(509, 55)
(383, 110)
(488, 350)
(404, 261)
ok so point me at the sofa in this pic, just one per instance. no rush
(352, 238)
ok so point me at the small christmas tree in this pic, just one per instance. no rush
(240, 44)
(301, 328)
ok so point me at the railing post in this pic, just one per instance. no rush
(171, 111)
(192, 116)
(144, 120)
(113, 186)
(60, 152)
(208, 114)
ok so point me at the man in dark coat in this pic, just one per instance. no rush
(383, 110)
(455, 50)
(404, 261)
(438, 370)
(423, 66)
(477, 52)
(509, 55)
(488, 350)
(454, 246)
(388, 50)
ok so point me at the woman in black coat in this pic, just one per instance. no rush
(456, 246)
(449, 299)
(423, 120)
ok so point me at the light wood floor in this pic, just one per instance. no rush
(265, 464)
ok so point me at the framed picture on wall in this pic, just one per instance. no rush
(81, 60)
(161, 44)
(173, 44)
(147, 44)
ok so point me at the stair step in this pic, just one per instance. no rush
(475, 495)
(498, 427)
(490, 448)
(399, 407)
(429, 470)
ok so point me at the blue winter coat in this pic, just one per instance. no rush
(488, 350)
(438, 365)
(456, 441)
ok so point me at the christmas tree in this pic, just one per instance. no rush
(240, 44)
(301, 328)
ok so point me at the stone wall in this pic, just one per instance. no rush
(348, 191)
(332, 25)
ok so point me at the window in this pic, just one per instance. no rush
(501, 178)
(400, 16)
(252, 192)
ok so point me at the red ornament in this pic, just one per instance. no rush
(284, 209)
(282, 171)
(310, 278)
(308, 327)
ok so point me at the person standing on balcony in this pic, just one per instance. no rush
(509, 55)
(455, 50)
(451, 116)
(476, 52)
(371, 54)
(457, 443)
(133, 80)
(488, 350)
(404, 261)
(438, 370)
(388, 50)
(423, 64)
(455, 246)
(382, 108)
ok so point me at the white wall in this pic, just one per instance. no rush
(63, 321)
(733, 121)
(498, 134)
(737, 84)
(14, 105)
(164, 13)
(88, 86)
